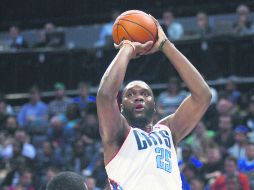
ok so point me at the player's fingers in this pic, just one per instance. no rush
(148, 45)
(117, 46)
(150, 51)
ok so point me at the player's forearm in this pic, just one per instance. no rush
(114, 75)
(192, 78)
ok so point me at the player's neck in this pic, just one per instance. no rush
(143, 125)
(147, 128)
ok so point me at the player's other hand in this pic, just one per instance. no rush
(161, 36)
(138, 48)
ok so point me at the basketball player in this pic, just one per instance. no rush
(138, 153)
(67, 181)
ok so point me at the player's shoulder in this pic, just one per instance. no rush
(166, 121)
(160, 126)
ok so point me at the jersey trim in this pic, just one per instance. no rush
(114, 185)
(119, 148)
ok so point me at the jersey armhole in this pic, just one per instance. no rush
(128, 133)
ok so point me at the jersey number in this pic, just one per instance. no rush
(163, 159)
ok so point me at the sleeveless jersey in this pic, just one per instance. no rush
(145, 161)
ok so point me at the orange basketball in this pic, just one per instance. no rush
(134, 25)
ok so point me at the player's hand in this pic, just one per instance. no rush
(138, 48)
(161, 36)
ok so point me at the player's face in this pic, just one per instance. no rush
(138, 104)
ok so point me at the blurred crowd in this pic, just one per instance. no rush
(50, 36)
(219, 153)
(41, 139)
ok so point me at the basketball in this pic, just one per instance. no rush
(135, 26)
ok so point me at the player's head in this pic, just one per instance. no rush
(138, 104)
(67, 181)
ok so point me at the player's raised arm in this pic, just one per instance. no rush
(194, 106)
(113, 125)
(110, 119)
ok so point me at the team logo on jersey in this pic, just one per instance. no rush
(154, 138)
(115, 185)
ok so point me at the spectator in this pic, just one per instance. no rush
(18, 164)
(188, 172)
(25, 182)
(224, 137)
(197, 184)
(17, 41)
(97, 169)
(49, 27)
(55, 131)
(91, 183)
(71, 131)
(174, 30)
(51, 172)
(43, 41)
(105, 37)
(243, 24)
(189, 158)
(47, 157)
(84, 98)
(224, 107)
(231, 177)
(27, 149)
(169, 100)
(5, 111)
(246, 164)
(231, 92)
(90, 127)
(11, 125)
(214, 164)
(233, 183)
(4, 107)
(12, 150)
(188, 164)
(59, 104)
(78, 160)
(90, 134)
(200, 139)
(241, 141)
(249, 119)
(34, 113)
(203, 28)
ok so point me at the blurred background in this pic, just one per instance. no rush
(54, 53)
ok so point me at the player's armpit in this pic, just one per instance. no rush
(111, 122)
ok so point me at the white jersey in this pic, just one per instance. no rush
(145, 161)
